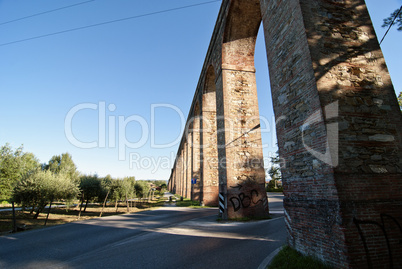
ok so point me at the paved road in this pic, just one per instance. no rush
(275, 202)
(170, 237)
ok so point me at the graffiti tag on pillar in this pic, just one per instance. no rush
(385, 234)
(246, 200)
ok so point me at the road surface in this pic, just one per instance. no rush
(170, 237)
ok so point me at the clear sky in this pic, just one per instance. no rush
(93, 91)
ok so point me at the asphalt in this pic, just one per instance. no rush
(170, 237)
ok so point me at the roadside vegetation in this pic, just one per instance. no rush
(185, 202)
(274, 172)
(37, 188)
(289, 258)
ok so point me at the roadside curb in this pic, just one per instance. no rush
(269, 258)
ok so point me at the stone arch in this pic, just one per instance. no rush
(243, 174)
(240, 35)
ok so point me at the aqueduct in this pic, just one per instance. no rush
(337, 121)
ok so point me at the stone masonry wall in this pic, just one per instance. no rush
(339, 132)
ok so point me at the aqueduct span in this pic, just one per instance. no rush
(338, 125)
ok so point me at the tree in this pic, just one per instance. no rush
(91, 189)
(13, 165)
(63, 164)
(106, 184)
(38, 188)
(274, 172)
(122, 189)
(395, 17)
(141, 188)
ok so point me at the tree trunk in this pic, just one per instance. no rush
(128, 207)
(104, 203)
(14, 219)
(86, 204)
(116, 205)
(40, 208)
(32, 209)
(82, 202)
(48, 212)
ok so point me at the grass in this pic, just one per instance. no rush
(289, 258)
(188, 203)
(64, 215)
(275, 190)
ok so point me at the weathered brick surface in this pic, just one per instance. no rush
(196, 155)
(338, 127)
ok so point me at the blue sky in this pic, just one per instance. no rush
(131, 80)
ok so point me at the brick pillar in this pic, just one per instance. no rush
(339, 131)
(210, 173)
(182, 171)
(196, 156)
(169, 185)
(179, 173)
(185, 169)
(189, 164)
(175, 180)
(173, 184)
(246, 196)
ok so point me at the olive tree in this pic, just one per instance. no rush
(91, 189)
(39, 188)
(13, 165)
(63, 164)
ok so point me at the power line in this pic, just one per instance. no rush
(108, 22)
(392, 23)
(45, 12)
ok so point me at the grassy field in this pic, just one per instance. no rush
(289, 258)
(64, 215)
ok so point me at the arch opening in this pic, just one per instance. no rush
(244, 177)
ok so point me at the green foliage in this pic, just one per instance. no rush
(13, 165)
(158, 183)
(63, 164)
(289, 258)
(398, 21)
(122, 188)
(91, 187)
(275, 173)
(38, 188)
(141, 188)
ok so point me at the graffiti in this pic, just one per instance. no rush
(245, 201)
(385, 233)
